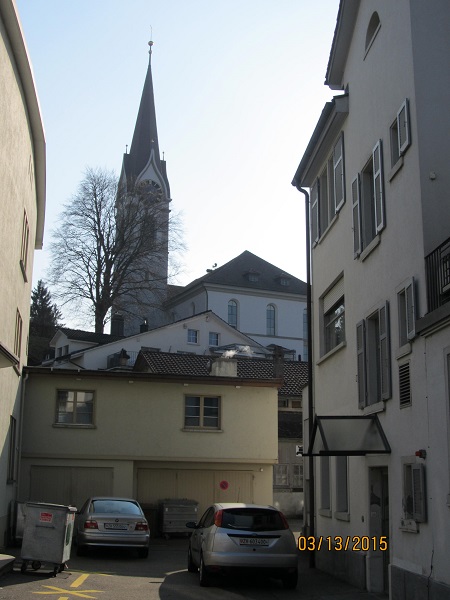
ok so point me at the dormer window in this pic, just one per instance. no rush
(284, 280)
(372, 30)
(252, 276)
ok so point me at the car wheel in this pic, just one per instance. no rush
(290, 581)
(204, 576)
(191, 565)
(143, 552)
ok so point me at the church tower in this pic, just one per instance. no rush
(143, 224)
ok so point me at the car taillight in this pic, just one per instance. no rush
(218, 518)
(90, 525)
(284, 520)
(141, 526)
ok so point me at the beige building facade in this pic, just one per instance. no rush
(150, 436)
(22, 208)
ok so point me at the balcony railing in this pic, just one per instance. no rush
(438, 276)
(119, 360)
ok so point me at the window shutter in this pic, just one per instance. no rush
(403, 127)
(419, 496)
(410, 310)
(361, 363)
(315, 213)
(338, 167)
(385, 354)
(356, 203)
(378, 194)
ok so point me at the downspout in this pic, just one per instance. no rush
(19, 444)
(312, 556)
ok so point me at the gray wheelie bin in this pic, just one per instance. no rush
(47, 535)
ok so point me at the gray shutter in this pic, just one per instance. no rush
(315, 213)
(361, 363)
(385, 353)
(333, 295)
(378, 192)
(418, 490)
(356, 203)
(410, 310)
(403, 127)
(338, 168)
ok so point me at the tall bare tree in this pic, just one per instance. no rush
(109, 246)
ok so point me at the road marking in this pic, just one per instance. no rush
(57, 590)
(79, 580)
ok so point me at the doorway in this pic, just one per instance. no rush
(378, 559)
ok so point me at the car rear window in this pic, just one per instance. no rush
(115, 506)
(253, 519)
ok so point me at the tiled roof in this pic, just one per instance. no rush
(165, 363)
(235, 273)
(290, 425)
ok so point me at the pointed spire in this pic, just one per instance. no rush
(145, 137)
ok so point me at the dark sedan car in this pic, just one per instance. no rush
(105, 521)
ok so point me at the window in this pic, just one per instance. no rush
(372, 30)
(373, 358)
(11, 477)
(201, 412)
(400, 133)
(342, 484)
(213, 338)
(325, 492)
(18, 336)
(368, 202)
(297, 476)
(74, 407)
(414, 506)
(253, 276)
(285, 280)
(232, 313)
(24, 246)
(406, 313)
(283, 403)
(328, 192)
(281, 475)
(334, 316)
(192, 336)
(270, 319)
(404, 380)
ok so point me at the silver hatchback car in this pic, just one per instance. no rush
(233, 537)
(106, 521)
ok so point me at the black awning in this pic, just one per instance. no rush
(347, 436)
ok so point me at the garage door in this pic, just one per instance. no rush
(205, 487)
(69, 485)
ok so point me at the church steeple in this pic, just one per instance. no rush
(143, 160)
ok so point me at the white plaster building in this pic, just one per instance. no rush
(377, 170)
(22, 211)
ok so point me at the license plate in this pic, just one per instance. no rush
(253, 542)
(120, 526)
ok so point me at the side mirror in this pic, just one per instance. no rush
(191, 525)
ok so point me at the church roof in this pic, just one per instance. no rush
(248, 271)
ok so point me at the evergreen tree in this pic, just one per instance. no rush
(45, 319)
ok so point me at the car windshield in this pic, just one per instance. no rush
(115, 506)
(252, 519)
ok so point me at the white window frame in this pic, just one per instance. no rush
(192, 336)
(414, 492)
(374, 369)
(235, 314)
(271, 320)
(281, 475)
(339, 173)
(213, 342)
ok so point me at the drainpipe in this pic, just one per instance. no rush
(312, 556)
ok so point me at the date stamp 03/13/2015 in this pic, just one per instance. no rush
(338, 543)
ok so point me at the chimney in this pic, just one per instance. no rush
(278, 362)
(224, 367)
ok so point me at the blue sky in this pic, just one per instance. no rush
(238, 90)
